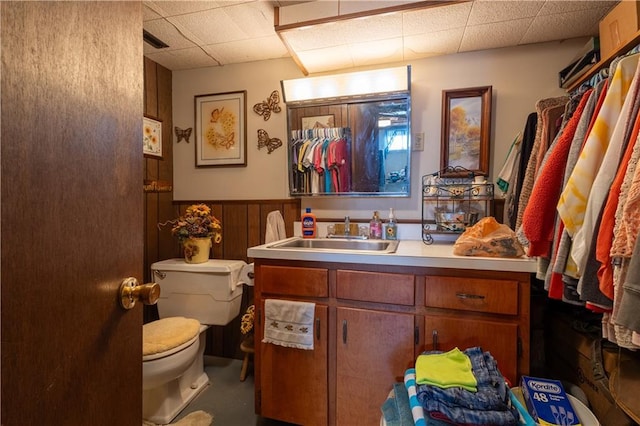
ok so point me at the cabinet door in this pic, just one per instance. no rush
(295, 381)
(499, 338)
(374, 349)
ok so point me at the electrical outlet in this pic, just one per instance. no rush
(418, 142)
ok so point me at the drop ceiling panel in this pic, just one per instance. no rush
(438, 43)
(436, 19)
(248, 50)
(167, 33)
(308, 11)
(486, 12)
(561, 26)
(495, 35)
(329, 59)
(182, 59)
(384, 51)
(233, 31)
(173, 8)
(149, 14)
(254, 19)
(211, 26)
(554, 7)
(373, 28)
(319, 37)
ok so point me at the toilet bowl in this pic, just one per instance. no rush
(193, 297)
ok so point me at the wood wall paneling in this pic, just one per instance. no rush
(243, 225)
(243, 221)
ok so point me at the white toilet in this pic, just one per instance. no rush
(192, 297)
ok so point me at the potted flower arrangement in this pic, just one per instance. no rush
(195, 230)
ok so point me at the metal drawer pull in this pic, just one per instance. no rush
(434, 336)
(317, 328)
(344, 332)
(469, 296)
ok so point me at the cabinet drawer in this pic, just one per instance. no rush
(472, 294)
(376, 287)
(293, 281)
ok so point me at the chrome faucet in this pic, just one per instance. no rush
(347, 226)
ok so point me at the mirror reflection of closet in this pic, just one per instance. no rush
(376, 130)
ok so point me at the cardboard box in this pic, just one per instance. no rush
(619, 27)
(547, 402)
(569, 357)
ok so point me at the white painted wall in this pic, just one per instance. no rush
(520, 76)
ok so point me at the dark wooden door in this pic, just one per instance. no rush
(71, 212)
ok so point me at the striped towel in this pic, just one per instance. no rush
(416, 408)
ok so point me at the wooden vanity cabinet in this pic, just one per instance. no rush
(374, 320)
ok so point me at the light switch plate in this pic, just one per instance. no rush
(418, 142)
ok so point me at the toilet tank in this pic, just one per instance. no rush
(209, 292)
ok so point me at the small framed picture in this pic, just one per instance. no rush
(466, 130)
(318, 122)
(151, 137)
(221, 129)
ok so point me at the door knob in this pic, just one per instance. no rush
(131, 292)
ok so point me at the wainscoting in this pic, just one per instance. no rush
(243, 226)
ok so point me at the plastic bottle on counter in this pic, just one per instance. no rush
(309, 226)
(375, 227)
(391, 227)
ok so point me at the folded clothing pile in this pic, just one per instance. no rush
(463, 388)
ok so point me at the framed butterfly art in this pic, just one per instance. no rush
(183, 134)
(265, 108)
(221, 129)
(264, 141)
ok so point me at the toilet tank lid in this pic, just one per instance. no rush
(212, 265)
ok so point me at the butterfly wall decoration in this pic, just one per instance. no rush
(265, 108)
(264, 141)
(182, 134)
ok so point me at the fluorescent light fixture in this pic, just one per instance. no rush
(361, 83)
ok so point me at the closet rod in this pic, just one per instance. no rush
(604, 62)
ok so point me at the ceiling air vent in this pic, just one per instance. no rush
(153, 40)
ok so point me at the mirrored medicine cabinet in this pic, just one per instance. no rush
(353, 145)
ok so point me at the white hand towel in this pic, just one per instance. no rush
(275, 227)
(288, 323)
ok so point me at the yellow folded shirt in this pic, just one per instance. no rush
(446, 370)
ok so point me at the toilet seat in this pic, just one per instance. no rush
(167, 336)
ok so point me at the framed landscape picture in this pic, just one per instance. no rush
(466, 131)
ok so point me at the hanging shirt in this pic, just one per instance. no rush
(539, 215)
(580, 250)
(573, 201)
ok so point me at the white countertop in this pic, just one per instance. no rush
(409, 253)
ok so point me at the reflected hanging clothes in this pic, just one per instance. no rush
(321, 161)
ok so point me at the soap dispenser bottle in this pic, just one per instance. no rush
(391, 227)
(375, 227)
(309, 227)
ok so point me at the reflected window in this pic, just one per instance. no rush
(396, 140)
